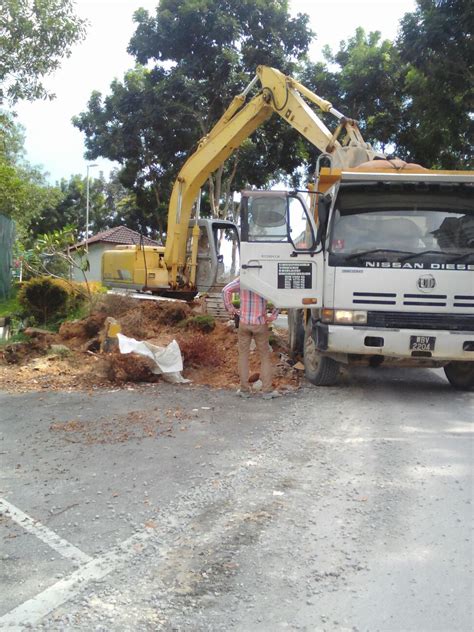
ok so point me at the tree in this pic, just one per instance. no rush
(135, 208)
(24, 192)
(412, 97)
(194, 57)
(35, 35)
(435, 44)
(68, 208)
(364, 81)
(370, 85)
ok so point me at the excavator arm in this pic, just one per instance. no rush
(172, 270)
(279, 94)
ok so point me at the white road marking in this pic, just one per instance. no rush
(36, 528)
(33, 610)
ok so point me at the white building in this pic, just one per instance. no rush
(106, 241)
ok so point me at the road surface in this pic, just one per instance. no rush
(182, 508)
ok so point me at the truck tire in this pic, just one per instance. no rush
(319, 369)
(295, 331)
(460, 375)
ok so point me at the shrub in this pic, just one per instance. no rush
(76, 297)
(95, 287)
(199, 350)
(45, 298)
(204, 323)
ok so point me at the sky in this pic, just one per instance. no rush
(53, 143)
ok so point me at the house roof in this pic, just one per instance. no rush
(119, 235)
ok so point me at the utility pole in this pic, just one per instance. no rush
(87, 204)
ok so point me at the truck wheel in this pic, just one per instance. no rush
(319, 370)
(460, 375)
(295, 331)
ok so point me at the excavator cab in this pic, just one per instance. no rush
(218, 256)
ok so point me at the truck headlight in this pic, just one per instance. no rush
(360, 317)
(344, 316)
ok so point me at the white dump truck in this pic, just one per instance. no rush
(377, 269)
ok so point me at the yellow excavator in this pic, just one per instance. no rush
(200, 254)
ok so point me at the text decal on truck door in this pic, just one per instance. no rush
(295, 276)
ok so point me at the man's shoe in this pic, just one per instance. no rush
(244, 394)
(271, 394)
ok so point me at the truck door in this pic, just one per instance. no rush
(280, 259)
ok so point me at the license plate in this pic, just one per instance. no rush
(422, 343)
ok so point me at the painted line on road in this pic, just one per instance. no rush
(32, 611)
(36, 528)
(360, 439)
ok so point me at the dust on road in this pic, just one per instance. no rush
(329, 509)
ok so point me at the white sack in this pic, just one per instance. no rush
(168, 360)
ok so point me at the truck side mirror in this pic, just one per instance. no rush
(324, 206)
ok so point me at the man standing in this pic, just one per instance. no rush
(253, 322)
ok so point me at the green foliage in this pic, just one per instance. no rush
(202, 322)
(53, 257)
(195, 57)
(9, 306)
(45, 298)
(17, 336)
(366, 85)
(435, 45)
(68, 209)
(24, 193)
(412, 97)
(34, 36)
(50, 254)
(60, 351)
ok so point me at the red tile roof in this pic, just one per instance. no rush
(119, 235)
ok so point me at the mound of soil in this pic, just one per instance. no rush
(130, 367)
(81, 330)
(209, 358)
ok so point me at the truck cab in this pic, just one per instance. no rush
(383, 272)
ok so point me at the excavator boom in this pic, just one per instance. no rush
(173, 269)
(281, 95)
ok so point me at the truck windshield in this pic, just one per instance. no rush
(433, 221)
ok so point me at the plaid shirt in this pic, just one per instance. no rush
(253, 308)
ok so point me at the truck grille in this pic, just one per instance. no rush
(417, 320)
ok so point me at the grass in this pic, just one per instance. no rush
(9, 306)
(18, 337)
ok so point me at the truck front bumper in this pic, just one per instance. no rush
(396, 343)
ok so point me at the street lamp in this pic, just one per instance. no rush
(87, 204)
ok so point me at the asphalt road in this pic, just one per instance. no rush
(181, 508)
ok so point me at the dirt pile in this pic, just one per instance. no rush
(84, 329)
(210, 354)
(130, 367)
